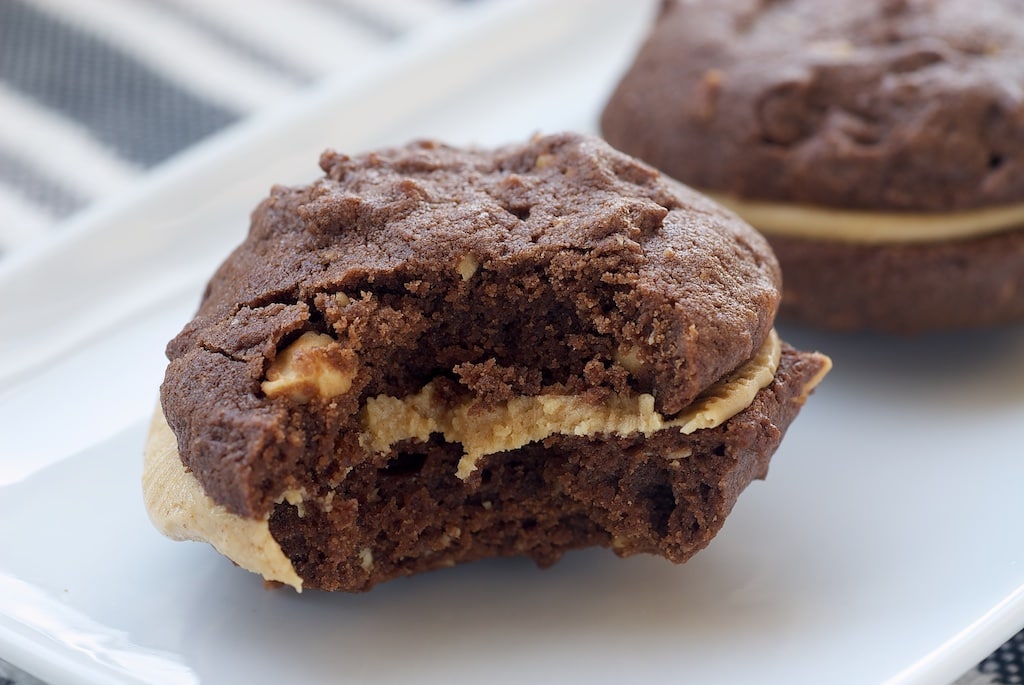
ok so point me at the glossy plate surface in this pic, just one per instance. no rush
(887, 542)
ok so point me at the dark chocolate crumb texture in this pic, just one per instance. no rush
(879, 145)
(433, 355)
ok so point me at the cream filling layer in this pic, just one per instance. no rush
(856, 226)
(386, 420)
(181, 510)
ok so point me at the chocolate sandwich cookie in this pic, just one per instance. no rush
(434, 355)
(879, 146)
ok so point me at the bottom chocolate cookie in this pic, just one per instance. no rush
(903, 288)
(666, 492)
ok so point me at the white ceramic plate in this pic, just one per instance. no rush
(887, 543)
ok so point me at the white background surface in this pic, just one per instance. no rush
(887, 543)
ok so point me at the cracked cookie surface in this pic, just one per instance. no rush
(885, 105)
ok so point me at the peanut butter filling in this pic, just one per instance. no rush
(181, 510)
(387, 420)
(865, 227)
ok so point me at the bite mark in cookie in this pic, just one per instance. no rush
(482, 430)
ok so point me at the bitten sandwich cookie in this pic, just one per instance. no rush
(434, 355)
(879, 146)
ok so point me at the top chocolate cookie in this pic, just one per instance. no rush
(556, 264)
(881, 104)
